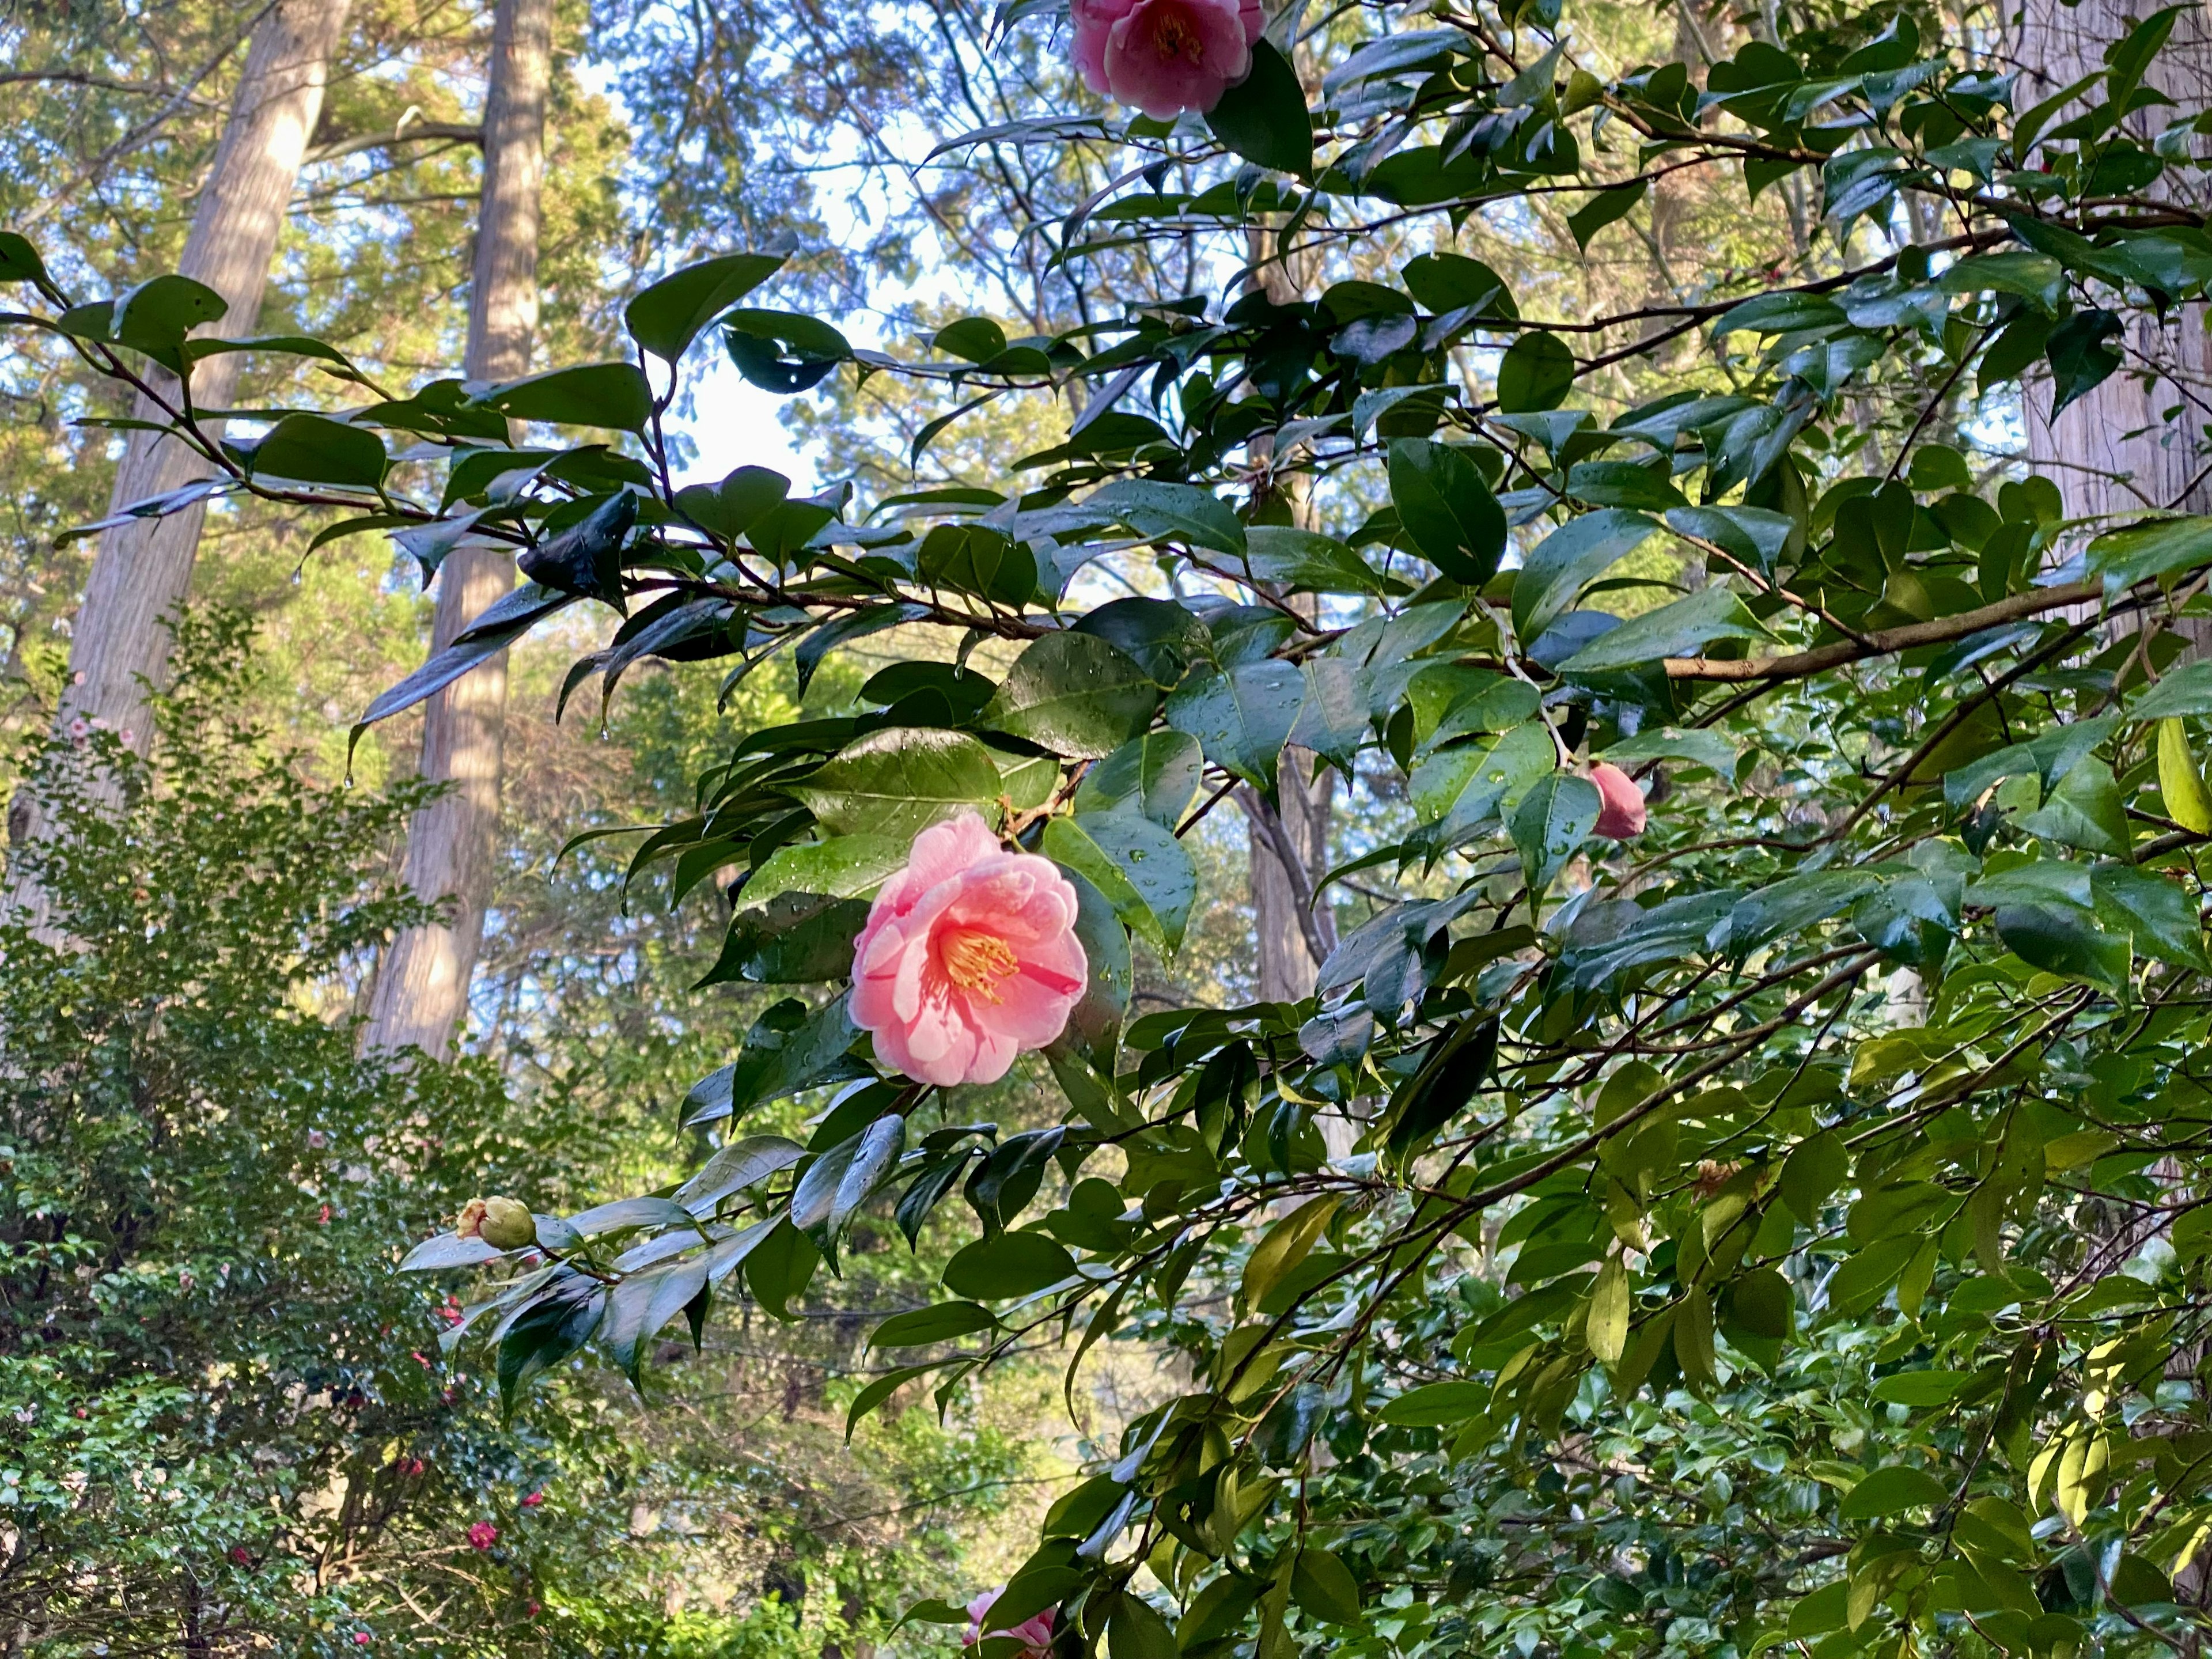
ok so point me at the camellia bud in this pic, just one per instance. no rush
(470, 1222)
(507, 1226)
(1621, 812)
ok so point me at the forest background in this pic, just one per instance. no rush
(223, 1389)
(236, 1427)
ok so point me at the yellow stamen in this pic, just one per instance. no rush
(976, 962)
(1175, 38)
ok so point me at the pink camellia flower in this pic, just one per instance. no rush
(1035, 1633)
(534, 1500)
(1620, 815)
(482, 1535)
(970, 956)
(1165, 56)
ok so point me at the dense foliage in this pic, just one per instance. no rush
(224, 1422)
(1779, 1229)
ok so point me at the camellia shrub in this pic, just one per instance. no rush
(1738, 1187)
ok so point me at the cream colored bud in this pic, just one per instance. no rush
(507, 1226)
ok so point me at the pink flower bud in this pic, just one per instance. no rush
(1620, 816)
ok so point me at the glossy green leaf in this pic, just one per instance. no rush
(1075, 695)
(896, 782)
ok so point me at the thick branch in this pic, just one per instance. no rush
(407, 132)
(1883, 642)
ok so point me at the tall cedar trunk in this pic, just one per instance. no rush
(2136, 442)
(1293, 934)
(120, 638)
(423, 986)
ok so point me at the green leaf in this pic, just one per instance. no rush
(1920, 1388)
(1308, 562)
(2084, 811)
(780, 1266)
(1433, 1405)
(731, 507)
(544, 1336)
(505, 622)
(1447, 509)
(1697, 745)
(842, 1179)
(1446, 282)
(783, 351)
(1681, 629)
(667, 317)
(1603, 209)
(1142, 870)
(788, 1049)
(2124, 558)
(2065, 939)
(1785, 908)
(1607, 1327)
(1156, 773)
(947, 1321)
(311, 449)
(795, 939)
(732, 1169)
(1171, 511)
(1892, 1491)
(1761, 1305)
(1005, 1265)
(844, 866)
(976, 339)
(2082, 356)
(1241, 719)
(1753, 534)
(1075, 695)
(879, 1391)
(447, 1251)
(1284, 1246)
(640, 1306)
(1323, 1586)
(2158, 914)
(896, 782)
(1811, 1174)
(613, 395)
(1564, 562)
(1535, 372)
(2180, 786)
(19, 260)
(1135, 1630)
(1263, 116)
(977, 559)
(155, 316)
(1554, 818)
(1464, 784)
(1094, 1024)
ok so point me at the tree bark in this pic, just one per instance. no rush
(422, 985)
(1294, 933)
(120, 638)
(2136, 441)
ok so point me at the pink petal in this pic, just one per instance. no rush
(1621, 815)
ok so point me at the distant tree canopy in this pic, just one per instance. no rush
(1776, 1223)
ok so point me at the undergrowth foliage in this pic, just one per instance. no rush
(1681, 1278)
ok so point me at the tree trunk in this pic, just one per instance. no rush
(2135, 442)
(1294, 933)
(423, 986)
(120, 637)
